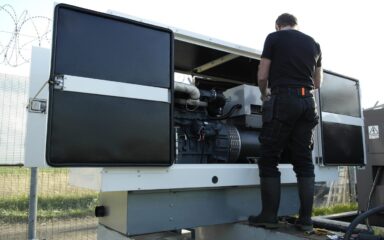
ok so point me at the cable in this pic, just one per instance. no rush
(201, 139)
(41, 89)
(360, 218)
(38, 92)
(229, 113)
(377, 176)
(202, 151)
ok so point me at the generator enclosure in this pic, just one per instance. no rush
(374, 125)
(165, 122)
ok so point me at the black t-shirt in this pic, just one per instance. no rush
(294, 57)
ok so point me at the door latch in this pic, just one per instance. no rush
(37, 105)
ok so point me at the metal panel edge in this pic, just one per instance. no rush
(190, 176)
(340, 75)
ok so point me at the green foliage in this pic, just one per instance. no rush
(340, 208)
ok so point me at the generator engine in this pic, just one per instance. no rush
(213, 126)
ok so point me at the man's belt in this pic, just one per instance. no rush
(296, 91)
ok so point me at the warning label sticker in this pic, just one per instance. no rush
(373, 132)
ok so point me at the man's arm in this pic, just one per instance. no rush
(262, 77)
(318, 79)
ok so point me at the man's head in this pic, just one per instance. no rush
(286, 20)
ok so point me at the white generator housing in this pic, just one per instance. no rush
(112, 115)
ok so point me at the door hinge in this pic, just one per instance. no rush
(58, 82)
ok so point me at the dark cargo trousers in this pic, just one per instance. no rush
(288, 122)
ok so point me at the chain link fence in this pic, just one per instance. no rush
(12, 118)
(64, 211)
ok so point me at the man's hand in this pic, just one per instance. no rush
(262, 78)
(266, 95)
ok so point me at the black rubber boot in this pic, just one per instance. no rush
(306, 186)
(270, 200)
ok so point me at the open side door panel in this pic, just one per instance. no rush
(342, 123)
(110, 96)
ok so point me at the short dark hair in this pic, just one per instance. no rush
(286, 19)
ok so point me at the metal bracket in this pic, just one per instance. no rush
(58, 83)
(215, 63)
(37, 105)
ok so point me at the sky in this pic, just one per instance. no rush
(349, 31)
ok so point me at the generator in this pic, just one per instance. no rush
(370, 180)
(164, 123)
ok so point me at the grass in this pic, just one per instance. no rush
(57, 199)
(15, 181)
(13, 170)
(378, 231)
(15, 209)
(26, 171)
(339, 208)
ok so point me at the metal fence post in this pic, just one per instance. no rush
(32, 214)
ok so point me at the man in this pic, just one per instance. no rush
(289, 70)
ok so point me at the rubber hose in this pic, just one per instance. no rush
(360, 218)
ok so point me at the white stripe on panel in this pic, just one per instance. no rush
(115, 89)
(343, 119)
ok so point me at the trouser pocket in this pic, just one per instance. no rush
(311, 114)
(268, 107)
(270, 133)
